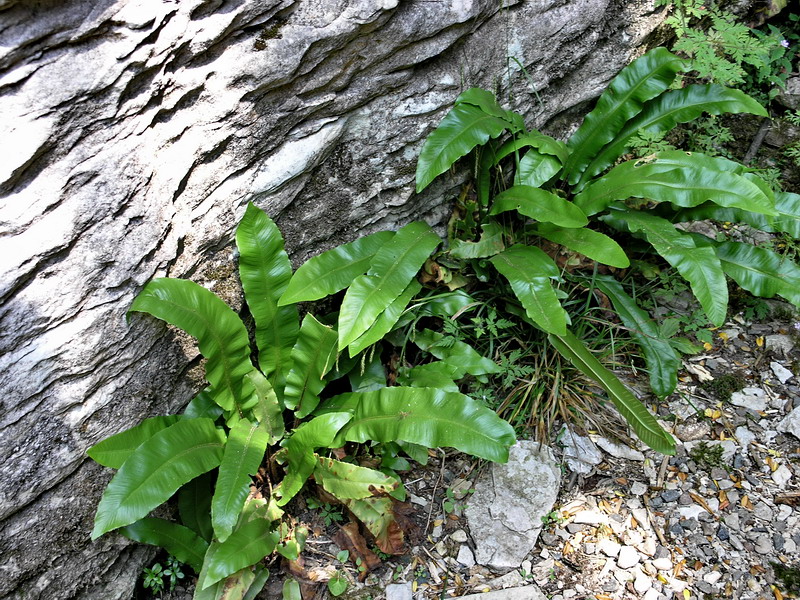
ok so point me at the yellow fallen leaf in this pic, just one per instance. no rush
(723, 336)
(777, 592)
(773, 464)
(707, 346)
(745, 503)
(760, 341)
(687, 594)
(712, 413)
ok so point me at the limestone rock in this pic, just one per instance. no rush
(790, 423)
(505, 512)
(135, 132)
(580, 453)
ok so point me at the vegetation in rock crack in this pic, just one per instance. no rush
(560, 222)
(229, 458)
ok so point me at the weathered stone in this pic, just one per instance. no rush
(135, 132)
(580, 453)
(790, 423)
(750, 398)
(782, 373)
(399, 591)
(505, 512)
(528, 592)
(617, 450)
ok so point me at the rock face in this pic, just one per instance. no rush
(505, 512)
(134, 132)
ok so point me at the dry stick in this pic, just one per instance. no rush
(435, 486)
(757, 141)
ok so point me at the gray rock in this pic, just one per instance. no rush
(789, 96)
(505, 512)
(399, 591)
(779, 343)
(745, 436)
(638, 488)
(134, 134)
(459, 535)
(580, 453)
(750, 398)
(790, 423)
(528, 592)
(782, 475)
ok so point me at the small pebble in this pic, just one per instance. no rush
(628, 557)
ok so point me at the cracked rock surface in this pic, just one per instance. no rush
(505, 512)
(135, 132)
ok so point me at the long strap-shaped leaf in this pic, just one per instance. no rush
(391, 270)
(642, 80)
(333, 270)
(317, 433)
(539, 204)
(634, 412)
(386, 321)
(464, 127)
(458, 353)
(113, 451)
(662, 359)
(248, 544)
(683, 179)
(760, 271)
(491, 243)
(194, 505)
(313, 356)
(529, 271)
(667, 110)
(535, 139)
(265, 270)
(431, 418)
(487, 102)
(588, 242)
(183, 543)
(220, 333)
(243, 454)
(156, 470)
(268, 410)
(699, 266)
(378, 517)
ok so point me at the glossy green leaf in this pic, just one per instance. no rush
(625, 97)
(391, 270)
(699, 266)
(265, 271)
(267, 411)
(429, 417)
(634, 412)
(680, 178)
(662, 360)
(455, 352)
(536, 168)
(293, 540)
(259, 581)
(544, 144)
(346, 480)
(248, 544)
(592, 244)
(313, 356)
(333, 270)
(368, 376)
(244, 451)
(486, 101)
(491, 243)
(760, 271)
(529, 271)
(436, 374)
(183, 543)
(194, 506)
(664, 112)
(113, 451)
(156, 470)
(540, 205)
(221, 335)
(202, 406)
(291, 590)
(464, 127)
(317, 433)
(386, 321)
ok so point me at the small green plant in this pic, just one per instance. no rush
(552, 518)
(154, 579)
(548, 218)
(235, 427)
(723, 386)
(329, 513)
(789, 576)
(174, 571)
(338, 584)
(708, 456)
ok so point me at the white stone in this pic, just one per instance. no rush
(399, 591)
(790, 423)
(628, 557)
(505, 512)
(745, 436)
(528, 592)
(642, 582)
(459, 535)
(782, 475)
(712, 577)
(662, 564)
(608, 547)
(638, 488)
(617, 450)
(465, 556)
(782, 373)
(590, 517)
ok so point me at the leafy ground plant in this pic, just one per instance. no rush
(539, 200)
(229, 458)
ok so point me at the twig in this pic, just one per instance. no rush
(435, 487)
(757, 141)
